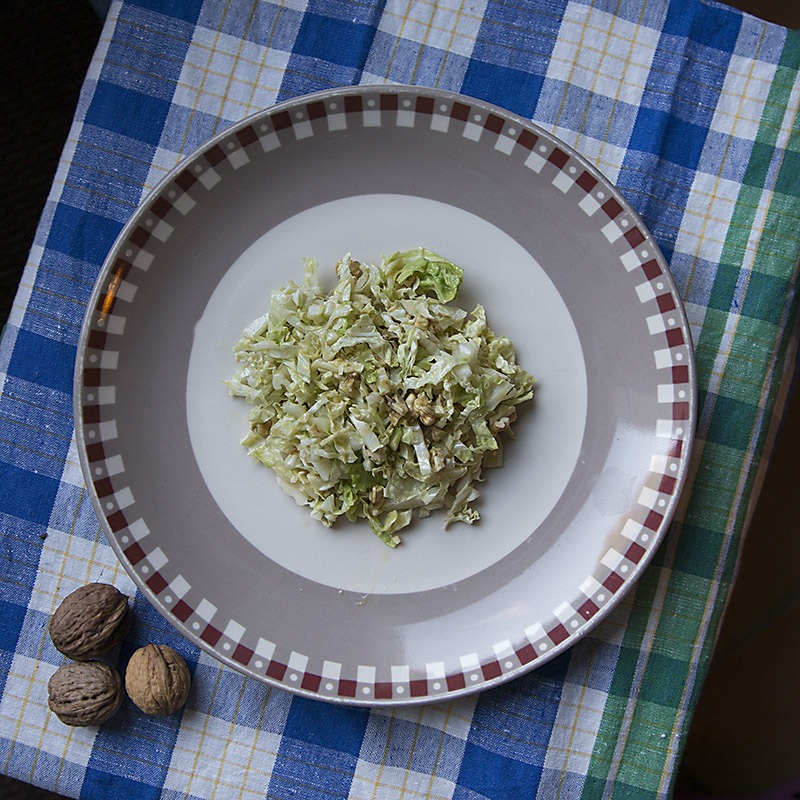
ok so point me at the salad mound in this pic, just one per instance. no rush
(378, 399)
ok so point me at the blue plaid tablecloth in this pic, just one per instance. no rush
(690, 108)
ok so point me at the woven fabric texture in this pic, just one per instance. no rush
(690, 108)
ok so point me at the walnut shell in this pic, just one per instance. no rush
(90, 621)
(157, 679)
(83, 693)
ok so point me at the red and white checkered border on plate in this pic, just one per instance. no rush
(230, 641)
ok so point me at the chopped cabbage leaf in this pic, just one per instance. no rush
(379, 399)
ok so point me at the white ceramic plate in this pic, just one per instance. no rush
(563, 267)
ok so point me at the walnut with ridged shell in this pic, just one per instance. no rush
(157, 679)
(89, 621)
(83, 693)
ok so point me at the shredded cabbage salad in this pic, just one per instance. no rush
(379, 399)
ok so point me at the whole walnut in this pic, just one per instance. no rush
(157, 679)
(83, 693)
(90, 621)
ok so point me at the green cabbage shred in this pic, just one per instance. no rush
(378, 399)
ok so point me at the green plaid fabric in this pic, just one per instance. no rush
(742, 341)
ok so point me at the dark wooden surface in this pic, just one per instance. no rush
(45, 49)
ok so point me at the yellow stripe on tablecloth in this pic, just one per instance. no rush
(214, 757)
(434, 5)
(209, 72)
(448, 48)
(231, 728)
(205, 71)
(742, 97)
(399, 35)
(423, 44)
(249, 767)
(262, 64)
(61, 182)
(220, 114)
(383, 757)
(610, 35)
(374, 779)
(196, 47)
(442, 733)
(192, 773)
(413, 18)
(572, 730)
(411, 15)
